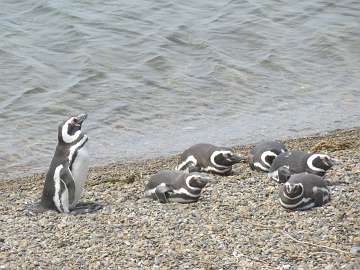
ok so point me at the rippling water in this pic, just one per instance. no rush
(157, 76)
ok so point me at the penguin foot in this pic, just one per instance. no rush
(84, 208)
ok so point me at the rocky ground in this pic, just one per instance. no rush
(237, 224)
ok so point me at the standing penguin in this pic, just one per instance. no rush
(208, 158)
(264, 153)
(299, 161)
(68, 170)
(167, 186)
(304, 191)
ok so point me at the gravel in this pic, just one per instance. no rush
(237, 224)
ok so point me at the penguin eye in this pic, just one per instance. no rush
(228, 156)
(74, 121)
(326, 160)
(194, 180)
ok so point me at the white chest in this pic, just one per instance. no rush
(80, 169)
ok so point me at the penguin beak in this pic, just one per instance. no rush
(335, 161)
(289, 187)
(237, 158)
(284, 174)
(204, 181)
(81, 118)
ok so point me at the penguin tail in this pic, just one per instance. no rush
(85, 208)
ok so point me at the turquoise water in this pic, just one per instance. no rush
(158, 76)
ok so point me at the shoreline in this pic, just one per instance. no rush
(13, 176)
(237, 224)
(165, 157)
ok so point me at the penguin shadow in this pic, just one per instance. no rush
(35, 208)
(86, 208)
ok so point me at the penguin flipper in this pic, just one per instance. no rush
(320, 197)
(161, 193)
(68, 179)
(84, 208)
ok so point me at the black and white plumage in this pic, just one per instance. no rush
(304, 191)
(208, 158)
(68, 170)
(176, 186)
(283, 174)
(262, 155)
(300, 161)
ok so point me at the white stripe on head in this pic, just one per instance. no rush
(187, 181)
(267, 154)
(292, 186)
(65, 135)
(213, 155)
(310, 162)
(189, 159)
(57, 181)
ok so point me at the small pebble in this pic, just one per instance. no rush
(237, 224)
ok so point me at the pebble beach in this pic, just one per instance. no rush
(238, 222)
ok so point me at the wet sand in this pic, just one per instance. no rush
(237, 224)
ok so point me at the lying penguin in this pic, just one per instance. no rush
(262, 155)
(208, 158)
(300, 161)
(176, 186)
(304, 191)
(68, 170)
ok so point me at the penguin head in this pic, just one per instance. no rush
(226, 157)
(284, 174)
(293, 190)
(267, 157)
(70, 130)
(270, 158)
(197, 180)
(323, 162)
